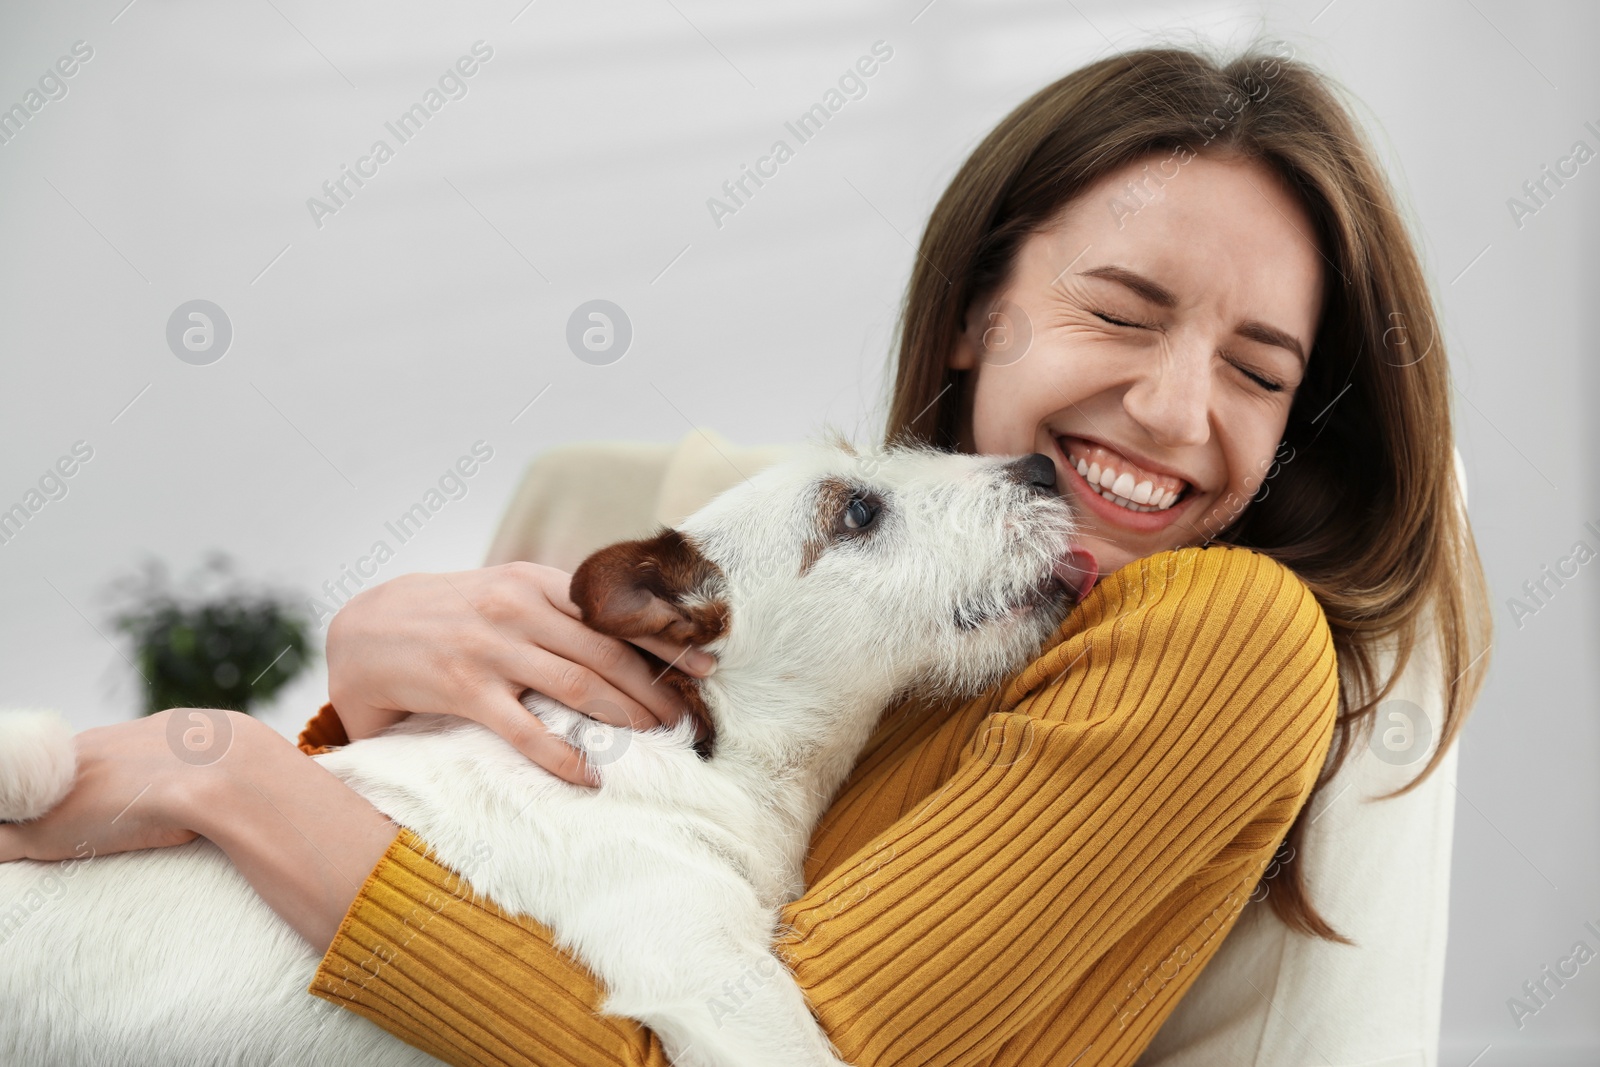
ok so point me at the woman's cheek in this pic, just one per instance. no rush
(1000, 419)
(1071, 363)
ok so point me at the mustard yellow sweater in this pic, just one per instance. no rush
(1032, 878)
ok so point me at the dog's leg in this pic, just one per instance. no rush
(691, 958)
(754, 1018)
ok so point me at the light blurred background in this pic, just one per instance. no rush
(430, 312)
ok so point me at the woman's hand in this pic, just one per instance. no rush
(299, 835)
(131, 792)
(468, 643)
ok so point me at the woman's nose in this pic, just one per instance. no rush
(1172, 401)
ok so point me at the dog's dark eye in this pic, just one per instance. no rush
(858, 514)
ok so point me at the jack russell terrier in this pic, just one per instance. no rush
(827, 586)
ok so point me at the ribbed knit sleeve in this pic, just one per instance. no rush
(1033, 878)
(324, 731)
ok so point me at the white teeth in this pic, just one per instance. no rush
(1124, 502)
(1120, 488)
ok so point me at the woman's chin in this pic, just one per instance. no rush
(1109, 557)
(1112, 555)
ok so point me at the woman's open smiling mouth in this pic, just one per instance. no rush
(1111, 487)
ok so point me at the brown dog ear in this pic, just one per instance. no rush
(661, 586)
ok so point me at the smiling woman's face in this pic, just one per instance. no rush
(1155, 350)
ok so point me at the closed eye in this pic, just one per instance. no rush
(1266, 383)
(1119, 322)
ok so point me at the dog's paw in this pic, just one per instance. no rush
(37, 763)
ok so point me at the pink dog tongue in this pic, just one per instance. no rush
(1078, 571)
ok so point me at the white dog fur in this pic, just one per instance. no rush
(37, 764)
(667, 880)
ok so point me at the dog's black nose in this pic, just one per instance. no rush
(1037, 470)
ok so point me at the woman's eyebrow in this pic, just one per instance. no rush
(1161, 296)
(1271, 335)
(1154, 292)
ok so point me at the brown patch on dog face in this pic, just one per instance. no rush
(832, 496)
(643, 588)
(829, 524)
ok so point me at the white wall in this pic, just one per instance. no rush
(431, 308)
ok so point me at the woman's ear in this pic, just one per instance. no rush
(985, 314)
(964, 352)
(661, 586)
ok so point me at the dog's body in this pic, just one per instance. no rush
(666, 881)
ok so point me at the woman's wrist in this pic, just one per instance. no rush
(360, 721)
(303, 839)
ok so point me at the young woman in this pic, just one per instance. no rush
(1188, 283)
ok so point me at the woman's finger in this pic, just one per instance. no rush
(557, 587)
(687, 658)
(617, 664)
(581, 688)
(528, 734)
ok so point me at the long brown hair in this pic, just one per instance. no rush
(1369, 512)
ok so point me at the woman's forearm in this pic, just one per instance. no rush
(301, 837)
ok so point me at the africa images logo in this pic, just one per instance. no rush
(452, 85)
(52, 86)
(851, 86)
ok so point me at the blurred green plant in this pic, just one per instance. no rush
(216, 643)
